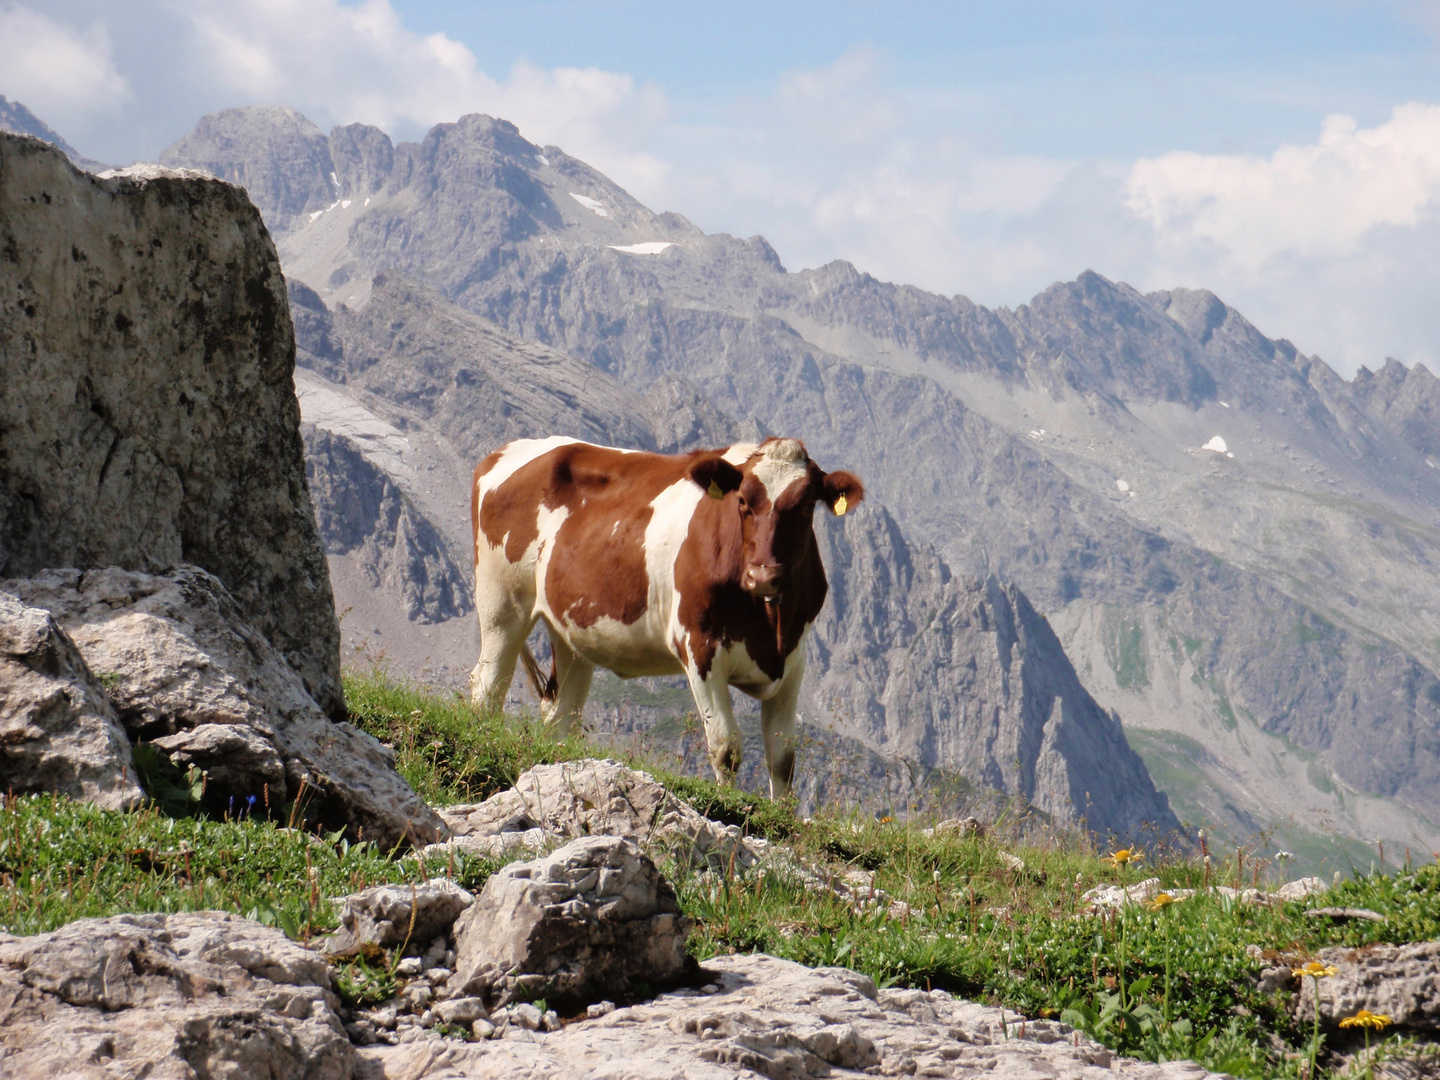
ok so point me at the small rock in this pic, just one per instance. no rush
(1300, 888)
(390, 915)
(362, 1032)
(550, 1021)
(1275, 978)
(604, 1008)
(482, 1029)
(409, 967)
(438, 975)
(526, 1016)
(1014, 862)
(464, 1010)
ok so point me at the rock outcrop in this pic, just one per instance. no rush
(186, 671)
(147, 414)
(57, 730)
(195, 995)
(593, 920)
(760, 1016)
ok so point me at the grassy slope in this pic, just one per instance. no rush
(975, 925)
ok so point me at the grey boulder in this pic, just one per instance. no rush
(168, 996)
(593, 920)
(180, 657)
(57, 730)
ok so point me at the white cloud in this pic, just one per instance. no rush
(58, 71)
(1317, 200)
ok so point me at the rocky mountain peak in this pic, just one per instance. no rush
(18, 120)
(278, 156)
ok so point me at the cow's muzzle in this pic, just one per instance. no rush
(762, 581)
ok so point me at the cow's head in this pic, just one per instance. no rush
(775, 488)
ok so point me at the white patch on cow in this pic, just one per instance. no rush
(782, 463)
(740, 453)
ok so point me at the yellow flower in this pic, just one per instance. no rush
(1313, 970)
(1125, 856)
(1366, 1019)
(1161, 901)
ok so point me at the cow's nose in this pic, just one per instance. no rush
(761, 580)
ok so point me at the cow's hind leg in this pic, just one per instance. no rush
(572, 686)
(722, 734)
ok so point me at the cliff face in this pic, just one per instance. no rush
(147, 410)
(963, 674)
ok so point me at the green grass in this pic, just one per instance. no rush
(971, 923)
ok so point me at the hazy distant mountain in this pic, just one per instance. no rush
(16, 118)
(1237, 547)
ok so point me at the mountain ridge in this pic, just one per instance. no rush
(1071, 445)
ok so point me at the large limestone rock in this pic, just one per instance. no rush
(760, 1016)
(171, 997)
(594, 919)
(551, 804)
(57, 730)
(147, 410)
(187, 671)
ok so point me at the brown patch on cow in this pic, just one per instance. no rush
(480, 470)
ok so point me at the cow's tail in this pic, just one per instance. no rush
(545, 687)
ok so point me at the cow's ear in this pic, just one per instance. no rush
(716, 475)
(842, 491)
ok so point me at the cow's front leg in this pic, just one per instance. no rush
(722, 734)
(573, 674)
(777, 726)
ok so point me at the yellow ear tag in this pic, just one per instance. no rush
(714, 491)
(840, 506)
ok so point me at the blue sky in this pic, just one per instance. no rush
(1284, 155)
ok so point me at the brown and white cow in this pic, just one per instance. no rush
(703, 564)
